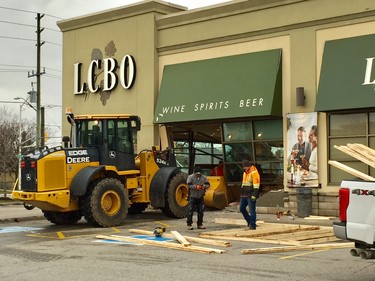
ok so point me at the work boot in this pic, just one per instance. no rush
(201, 227)
(190, 227)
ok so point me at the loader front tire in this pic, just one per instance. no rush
(176, 201)
(61, 218)
(106, 203)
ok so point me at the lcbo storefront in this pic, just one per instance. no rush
(239, 80)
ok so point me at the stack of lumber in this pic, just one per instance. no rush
(295, 237)
(359, 152)
(184, 242)
(276, 233)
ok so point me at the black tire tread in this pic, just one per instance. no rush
(91, 203)
(172, 208)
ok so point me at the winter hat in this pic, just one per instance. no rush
(197, 169)
(246, 163)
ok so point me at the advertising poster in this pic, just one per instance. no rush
(302, 147)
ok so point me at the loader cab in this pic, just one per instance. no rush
(114, 138)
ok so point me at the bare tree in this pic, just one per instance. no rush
(10, 140)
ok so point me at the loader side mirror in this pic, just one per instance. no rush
(65, 140)
(136, 123)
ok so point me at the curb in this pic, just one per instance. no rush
(22, 219)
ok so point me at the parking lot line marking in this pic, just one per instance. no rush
(60, 235)
(303, 254)
(115, 229)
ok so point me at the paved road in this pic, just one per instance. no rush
(48, 252)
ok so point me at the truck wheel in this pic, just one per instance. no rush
(106, 203)
(176, 205)
(65, 218)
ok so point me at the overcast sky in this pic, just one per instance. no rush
(19, 53)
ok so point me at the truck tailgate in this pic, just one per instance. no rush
(361, 211)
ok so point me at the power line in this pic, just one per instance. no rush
(25, 66)
(53, 76)
(53, 43)
(28, 25)
(17, 38)
(12, 69)
(16, 23)
(26, 11)
(17, 65)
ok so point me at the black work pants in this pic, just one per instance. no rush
(195, 203)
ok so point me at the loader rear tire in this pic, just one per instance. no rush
(106, 203)
(61, 218)
(176, 201)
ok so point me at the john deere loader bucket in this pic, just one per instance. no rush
(216, 195)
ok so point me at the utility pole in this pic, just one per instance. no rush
(39, 132)
(42, 126)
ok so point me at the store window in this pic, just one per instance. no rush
(349, 128)
(261, 142)
(206, 154)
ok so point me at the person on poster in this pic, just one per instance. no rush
(312, 164)
(302, 149)
(249, 193)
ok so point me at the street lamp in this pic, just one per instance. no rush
(29, 104)
(25, 102)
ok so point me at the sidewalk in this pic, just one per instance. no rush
(12, 211)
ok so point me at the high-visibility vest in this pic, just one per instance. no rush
(251, 178)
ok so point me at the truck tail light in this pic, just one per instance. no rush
(344, 194)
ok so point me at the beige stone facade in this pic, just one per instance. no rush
(158, 33)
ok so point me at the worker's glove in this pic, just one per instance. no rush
(253, 198)
(199, 187)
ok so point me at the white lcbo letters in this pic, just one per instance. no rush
(127, 75)
(368, 72)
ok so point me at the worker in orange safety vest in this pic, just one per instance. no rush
(249, 193)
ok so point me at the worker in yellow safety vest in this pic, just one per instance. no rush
(249, 193)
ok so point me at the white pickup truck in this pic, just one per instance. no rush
(357, 216)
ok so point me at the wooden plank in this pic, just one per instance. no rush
(297, 248)
(180, 238)
(313, 234)
(226, 232)
(264, 230)
(162, 244)
(351, 171)
(363, 149)
(255, 240)
(189, 238)
(311, 217)
(356, 155)
(262, 233)
(302, 234)
(317, 240)
(233, 221)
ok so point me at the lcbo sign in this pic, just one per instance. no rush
(126, 75)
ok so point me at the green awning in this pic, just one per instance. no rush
(346, 80)
(228, 87)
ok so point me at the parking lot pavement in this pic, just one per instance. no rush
(11, 211)
(15, 212)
